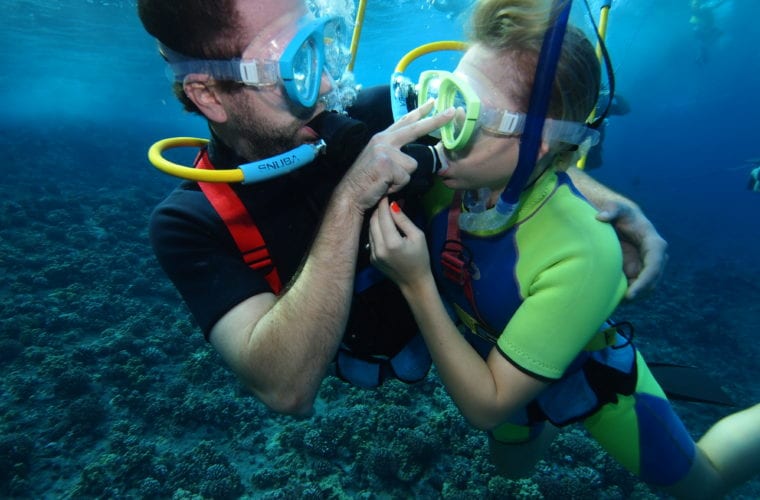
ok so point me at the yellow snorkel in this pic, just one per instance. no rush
(602, 34)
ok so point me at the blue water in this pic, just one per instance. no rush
(108, 387)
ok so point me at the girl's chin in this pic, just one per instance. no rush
(453, 183)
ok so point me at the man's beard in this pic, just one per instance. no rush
(263, 140)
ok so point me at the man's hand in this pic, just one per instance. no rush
(382, 168)
(644, 250)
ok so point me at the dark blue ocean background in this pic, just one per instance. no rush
(108, 388)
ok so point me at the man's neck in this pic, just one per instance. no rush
(221, 155)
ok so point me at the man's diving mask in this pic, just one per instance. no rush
(320, 44)
(449, 90)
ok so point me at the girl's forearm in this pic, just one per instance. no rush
(463, 372)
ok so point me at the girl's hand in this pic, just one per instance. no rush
(397, 246)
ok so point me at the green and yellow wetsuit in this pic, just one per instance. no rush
(542, 290)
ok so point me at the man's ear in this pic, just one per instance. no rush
(199, 88)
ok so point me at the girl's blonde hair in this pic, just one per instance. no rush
(516, 28)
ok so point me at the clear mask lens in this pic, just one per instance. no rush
(337, 48)
(459, 121)
(457, 94)
(433, 87)
(428, 88)
(336, 43)
(449, 91)
(306, 74)
(316, 47)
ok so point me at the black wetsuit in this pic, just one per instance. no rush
(198, 254)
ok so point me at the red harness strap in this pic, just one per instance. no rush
(454, 253)
(239, 223)
(456, 260)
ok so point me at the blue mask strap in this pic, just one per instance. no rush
(540, 96)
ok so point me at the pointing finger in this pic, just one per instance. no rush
(417, 126)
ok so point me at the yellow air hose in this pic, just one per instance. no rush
(426, 49)
(603, 17)
(155, 156)
(357, 32)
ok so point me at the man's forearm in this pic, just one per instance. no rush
(299, 336)
(594, 191)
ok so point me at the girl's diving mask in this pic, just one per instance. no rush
(318, 45)
(449, 90)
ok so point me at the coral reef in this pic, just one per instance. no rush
(109, 390)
